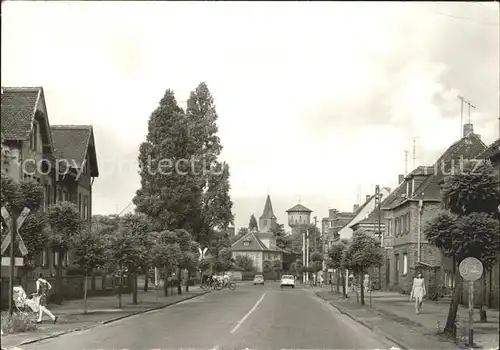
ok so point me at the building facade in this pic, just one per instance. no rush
(331, 225)
(260, 246)
(35, 151)
(362, 213)
(408, 208)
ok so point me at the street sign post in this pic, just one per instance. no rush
(13, 224)
(471, 269)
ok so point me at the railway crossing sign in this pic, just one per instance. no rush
(202, 253)
(471, 269)
(19, 221)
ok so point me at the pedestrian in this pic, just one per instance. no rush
(42, 289)
(418, 292)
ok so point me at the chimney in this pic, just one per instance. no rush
(332, 213)
(355, 208)
(468, 129)
(367, 198)
(401, 178)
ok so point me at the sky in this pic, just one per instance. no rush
(317, 101)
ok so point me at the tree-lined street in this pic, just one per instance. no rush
(288, 318)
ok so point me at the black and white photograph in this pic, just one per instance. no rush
(262, 175)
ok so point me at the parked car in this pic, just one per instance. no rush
(287, 281)
(258, 279)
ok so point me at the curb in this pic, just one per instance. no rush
(100, 323)
(373, 328)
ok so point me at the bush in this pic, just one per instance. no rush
(18, 322)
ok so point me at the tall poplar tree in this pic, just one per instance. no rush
(210, 174)
(168, 194)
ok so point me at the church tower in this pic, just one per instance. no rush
(267, 222)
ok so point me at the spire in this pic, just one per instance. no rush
(268, 212)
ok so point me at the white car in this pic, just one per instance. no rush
(287, 281)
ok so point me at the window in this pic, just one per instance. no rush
(405, 264)
(44, 257)
(246, 242)
(409, 188)
(44, 201)
(66, 260)
(408, 222)
(55, 258)
(59, 195)
(85, 207)
(88, 211)
(34, 137)
(48, 189)
(80, 204)
(389, 227)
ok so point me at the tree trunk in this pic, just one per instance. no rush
(165, 282)
(59, 286)
(482, 307)
(134, 288)
(450, 327)
(490, 288)
(342, 279)
(120, 284)
(188, 280)
(179, 280)
(146, 278)
(362, 288)
(85, 293)
(339, 280)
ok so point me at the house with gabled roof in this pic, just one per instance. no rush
(260, 245)
(415, 201)
(362, 213)
(336, 220)
(62, 159)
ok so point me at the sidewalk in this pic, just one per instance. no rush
(100, 310)
(394, 316)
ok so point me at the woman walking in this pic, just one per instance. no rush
(42, 289)
(418, 292)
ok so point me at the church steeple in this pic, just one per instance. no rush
(267, 221)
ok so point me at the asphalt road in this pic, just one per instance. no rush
(254, 317)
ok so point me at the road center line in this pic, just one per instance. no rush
(248, 314)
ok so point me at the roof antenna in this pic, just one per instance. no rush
(406, 162)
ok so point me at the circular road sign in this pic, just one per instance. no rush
(471, 269)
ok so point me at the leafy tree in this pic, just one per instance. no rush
(168, 196)
(362, 253)
(34, 230)
(140, 225)
(89, 253)
(166, 254)
(468, 226)
(334, 261)
(252, 225)
(65, 222)
(105, 224)
(126, 252)
(297, 267)
(277, 267)
(314, 238)
(224, 261)
(267, 266)
(241, 233)
(189, 257)
(212, 176)
(281, 238)
(244, 262)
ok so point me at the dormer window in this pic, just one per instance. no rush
(246, 242)
(409, 187)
